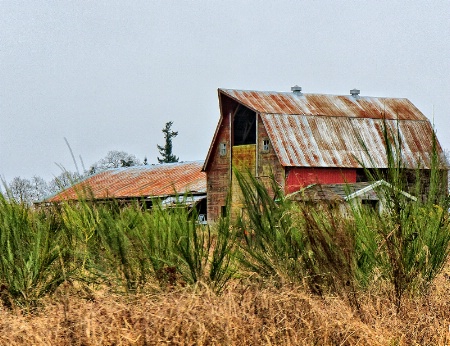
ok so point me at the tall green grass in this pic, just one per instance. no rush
(125, 248)
(408, 243)
(32, 254)
(276, 240)
(405, 244)
(135, 247)
(288, 242)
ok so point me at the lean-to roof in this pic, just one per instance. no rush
(345, 192)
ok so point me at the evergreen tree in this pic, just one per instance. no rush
(166, 150)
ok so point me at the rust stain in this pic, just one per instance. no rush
(140, 181)
(318, 141)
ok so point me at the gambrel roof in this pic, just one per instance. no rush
(341, 131)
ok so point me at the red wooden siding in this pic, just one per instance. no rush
(298, 177)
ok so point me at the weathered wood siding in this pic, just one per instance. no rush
(267, 160)
(218, 172)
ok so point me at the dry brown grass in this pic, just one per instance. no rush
(243, 315)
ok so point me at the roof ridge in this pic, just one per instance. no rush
(311, 94)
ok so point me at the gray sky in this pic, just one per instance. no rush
(108, 75)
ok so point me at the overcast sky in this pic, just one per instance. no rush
(108, 75)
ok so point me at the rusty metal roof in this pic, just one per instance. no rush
(320, 141)
(315, 130)
(140, 181)
(329, 105)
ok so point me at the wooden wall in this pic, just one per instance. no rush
(218, 172)
(267, 161)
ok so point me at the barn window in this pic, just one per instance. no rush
(265, 145)
(223, 149)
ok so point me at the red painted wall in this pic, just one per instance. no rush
(297, 177)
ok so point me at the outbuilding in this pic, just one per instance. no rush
(171, 184)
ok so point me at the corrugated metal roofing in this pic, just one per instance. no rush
(321, 141)
(330, 105)
(316, 192)
(141, 181)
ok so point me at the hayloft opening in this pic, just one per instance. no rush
(244, 127)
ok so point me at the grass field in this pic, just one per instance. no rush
(285, 273)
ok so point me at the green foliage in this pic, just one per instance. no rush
(31, 258)
(128, 248)
(179, 248)
(223, 262)
(408, 243)
(272, 244)
(295, 242)
(166, 150)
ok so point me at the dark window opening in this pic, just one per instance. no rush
(244, 127)
(223, 211)
(370, 203)
(361, 175)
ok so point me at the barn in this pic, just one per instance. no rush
(170, 183)
(304, 138)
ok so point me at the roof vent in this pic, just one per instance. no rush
(296, 90)
(355, 93)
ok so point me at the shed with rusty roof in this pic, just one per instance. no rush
(305, 139)
(143, 183)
